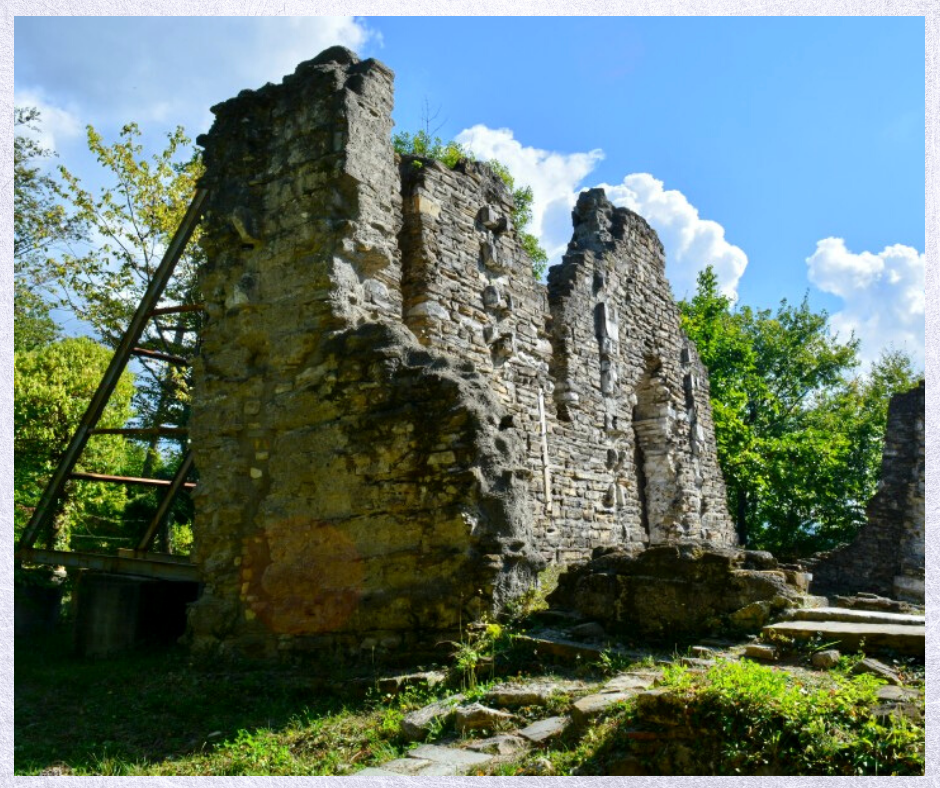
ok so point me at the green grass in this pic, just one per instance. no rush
(163, 713)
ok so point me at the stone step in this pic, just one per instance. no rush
(853, 615)
(544, 731)
(905, 639)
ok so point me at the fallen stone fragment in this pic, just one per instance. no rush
(395, 684)
(545, 730)
(417, 725)
(826, 659)
(696, 662)
(869, 665)
(760, 651)
(401, 766)
(477, 717)
(702, 652)
(586, 709)
(894, 692)
(503, 744)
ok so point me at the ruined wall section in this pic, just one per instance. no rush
(356, 490)
(888, 556)
(469, 292)
(633, 447)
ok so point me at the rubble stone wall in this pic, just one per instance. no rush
(395, 424)
(888, 556)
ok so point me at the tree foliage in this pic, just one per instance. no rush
(799, 431)
(134, 218)
(53, 385)
(426, 145)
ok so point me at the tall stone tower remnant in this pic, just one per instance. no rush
(889, 554)
(395, 424)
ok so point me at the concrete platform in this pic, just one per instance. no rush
(902, 638)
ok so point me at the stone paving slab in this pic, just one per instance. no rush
(449, 755)
(901, 638)
(586, 709)
(853, 615)
(545, 730)
(536, 694)
(628, 681)
(503, 744)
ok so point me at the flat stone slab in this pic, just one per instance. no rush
(904, 639)
(400, 766)
(377, 771)
(449, 756)
(630, 681)
(504, 744)
(854, 615)
(545, 730)
(416, 725)
(586, 709)
(537, 694)
(477, 717)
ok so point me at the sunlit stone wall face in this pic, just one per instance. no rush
(395, 424)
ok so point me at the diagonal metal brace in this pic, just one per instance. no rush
(45, 509)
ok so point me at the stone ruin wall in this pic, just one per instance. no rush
(396, 426)
(888, 556)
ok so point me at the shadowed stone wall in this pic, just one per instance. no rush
(395, 424)
(888, 556)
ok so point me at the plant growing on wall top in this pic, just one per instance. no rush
(425, 144)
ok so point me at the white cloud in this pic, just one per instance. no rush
(691, 242)
(883, 295)
(553, 177)
(283, 42)
(55, 125)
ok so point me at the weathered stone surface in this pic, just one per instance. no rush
(477, 717)
(417, 724)
(879, 669)
(504, 744)
(592, 706)
(888, 556)
(670, 591)
(826, 659)
(395, 424)
(546, 730)
(459, 760)
(759, 651)
(876, 637)
(630, 681)
(514, 696)
(852, 616)
(589, 631)
(661, 706)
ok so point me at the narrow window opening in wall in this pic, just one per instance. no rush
(639, 462)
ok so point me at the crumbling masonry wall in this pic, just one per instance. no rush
(888, 556)
(395, 425)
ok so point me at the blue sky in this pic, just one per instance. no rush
(788, 152)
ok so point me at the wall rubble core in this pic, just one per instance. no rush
(396, 426)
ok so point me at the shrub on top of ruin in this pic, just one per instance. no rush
(450, 153)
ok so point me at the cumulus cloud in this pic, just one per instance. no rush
(556, 178)
(55, 125)
(691, 243)
(883, 295)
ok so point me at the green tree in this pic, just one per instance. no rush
(52, 387)
(426, 145)
(40, 223)
(798, 430)
(136, 215)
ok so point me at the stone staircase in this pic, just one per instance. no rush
(851, 628)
